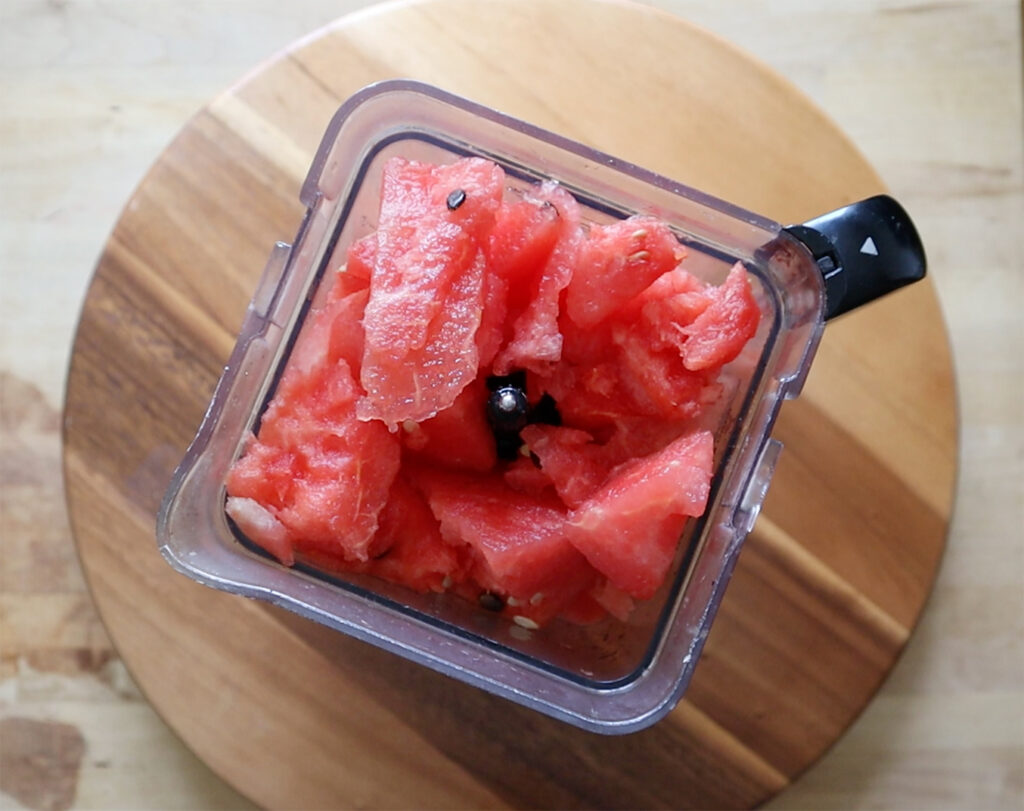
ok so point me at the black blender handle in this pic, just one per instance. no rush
(864, 250)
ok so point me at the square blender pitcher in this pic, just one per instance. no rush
(619, 671)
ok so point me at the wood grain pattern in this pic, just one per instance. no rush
(831, 582)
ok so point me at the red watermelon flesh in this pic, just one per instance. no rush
(490, 336)
(674, 284)
(629, 530)
(332, 335)
(335, 505)
(391, 371)
(426, 289)
(536, 342)
(361, 256)
(521, 239)
(525, 233)
(523, 476)
(459, 436)
(575, 464)
(635, 437)
(266, 474)
(721, 331)
(589, 397)
(323, 473)
(660, 314)
(412, 550)
(631, 364)
(616, 262)
(656, 382)
(346, 338)
(518, 541)
(310, 404)
(584, 346)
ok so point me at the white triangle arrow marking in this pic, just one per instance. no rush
(869, 247)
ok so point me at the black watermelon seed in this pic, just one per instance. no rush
(456, 199)
(491, 601)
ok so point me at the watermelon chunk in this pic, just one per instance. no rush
(575, 464)
(630, 364)
(584, 610)
(524, 234)
(361, 256)
(326, 351)
(634, 437)
(616, 262)
(720, 332)
(265, 474)
(457, 437)
(334, 506)
(630, 528)
(523, 476)
(656, 382)
(521, 240)
(672, 302)
(346, 335)
(426, 287)
(518, 541)
(324, 474)
(412, 552)
(536, 343)
(490, 335)
(588, 398)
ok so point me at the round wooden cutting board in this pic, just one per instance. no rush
(831, 581)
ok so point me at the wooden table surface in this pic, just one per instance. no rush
(942, 125)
